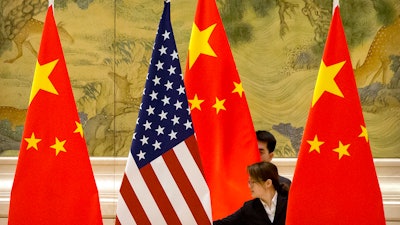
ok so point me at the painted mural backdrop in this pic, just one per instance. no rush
(277, 45)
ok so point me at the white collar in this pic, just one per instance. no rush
(271, 210)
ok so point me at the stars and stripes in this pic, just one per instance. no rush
(163, 181)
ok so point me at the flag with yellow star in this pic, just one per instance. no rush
(54, 182)
(221, 117)
(335, 181)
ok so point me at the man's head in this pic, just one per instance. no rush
(266, 145)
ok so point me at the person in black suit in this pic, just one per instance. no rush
(266, 145)
(270, 199)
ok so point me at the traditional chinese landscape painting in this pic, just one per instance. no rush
(277, 47)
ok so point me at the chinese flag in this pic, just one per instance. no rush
(221, 117)
(54, 182)
(335, 180)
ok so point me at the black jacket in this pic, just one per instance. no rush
(253, 213)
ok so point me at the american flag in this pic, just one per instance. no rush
(163, 181)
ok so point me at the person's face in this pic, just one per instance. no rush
(264, 153)
(258, 189)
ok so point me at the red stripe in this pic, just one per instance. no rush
(133, 203)
(117, 221)
(186, 188)
(191, 143)
(159, 195)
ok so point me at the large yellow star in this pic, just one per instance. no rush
(32, 142)
(326, 82)
(59, 146)
(315, 144)
(364, 133)
(219, 104)
(342, 150)
(198, 43)
(79, 128)
(238, 88)
(41, 79)
(195, 103)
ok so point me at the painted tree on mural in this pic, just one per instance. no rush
(124, 58)
(377, 80)
(318, 12)
(17, 23)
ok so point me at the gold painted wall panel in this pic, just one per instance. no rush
(277, 47)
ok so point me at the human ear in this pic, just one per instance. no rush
(268, 183)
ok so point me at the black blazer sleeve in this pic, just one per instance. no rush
(253, 213)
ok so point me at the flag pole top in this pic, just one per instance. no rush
(335, 3)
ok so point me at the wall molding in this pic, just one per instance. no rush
(108, 174)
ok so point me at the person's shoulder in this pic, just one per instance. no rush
(284, 180)
(285, 185)
(255, 202)
(283, 194)
(252, 201)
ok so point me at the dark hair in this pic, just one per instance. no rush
(267, 137)
(263, 171)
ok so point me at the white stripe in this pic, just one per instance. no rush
(172, 191)
(195, 176)
(123, 213)
(142, 192)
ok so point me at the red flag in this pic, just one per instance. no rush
(163, 181)
(221, 117)
(54, 182)
(335, 180)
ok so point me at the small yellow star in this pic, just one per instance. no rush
(41, 79)
(195, 103)
(238, 88)
(198, 43)
(325, 81)
(32, 142)
(219, 104)
(79, 128)
(315, 144)
(342, 150)
(59, 146)
(364, 133)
